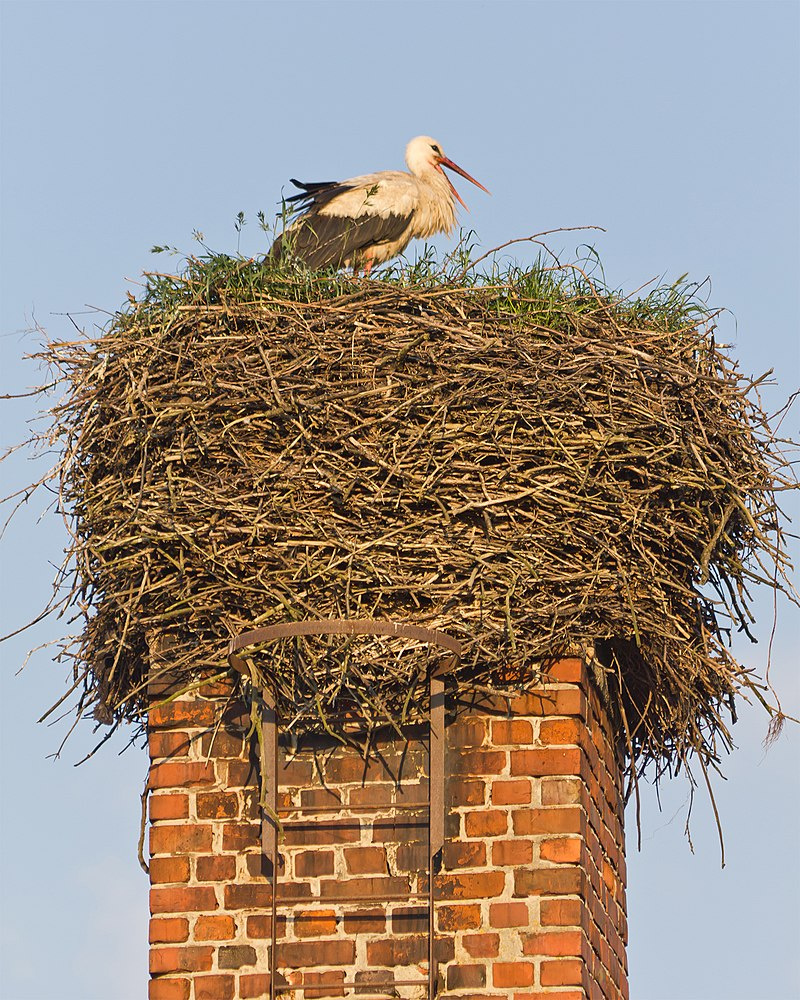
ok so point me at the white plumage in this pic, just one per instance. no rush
(369, 219)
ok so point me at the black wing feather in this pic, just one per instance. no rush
(325, 240)
(315, 194)
(322, 240)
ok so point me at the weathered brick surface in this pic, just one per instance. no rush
(219, 927)
(173, 988)
(214, 987)
(169, 806)
(172, 869)
(167, 930)
(531, 893)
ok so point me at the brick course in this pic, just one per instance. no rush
(532, 890)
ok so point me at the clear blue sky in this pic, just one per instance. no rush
(672, 125)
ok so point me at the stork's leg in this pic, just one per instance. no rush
(368, 266)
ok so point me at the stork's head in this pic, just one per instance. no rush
(424, 154)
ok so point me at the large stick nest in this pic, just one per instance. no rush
(528, 468)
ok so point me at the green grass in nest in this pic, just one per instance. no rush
(547, 292)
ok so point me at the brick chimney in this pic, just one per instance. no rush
(529, 901)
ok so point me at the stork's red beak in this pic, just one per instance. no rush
(444, 162)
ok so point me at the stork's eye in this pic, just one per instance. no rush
(436, 150)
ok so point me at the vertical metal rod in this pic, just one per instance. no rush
(269, 814)
(437, 764)
(273, 922)
(435, 817)
(431, 919)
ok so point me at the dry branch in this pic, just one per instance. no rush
(529, 476)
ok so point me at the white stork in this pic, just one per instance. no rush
(367, 220)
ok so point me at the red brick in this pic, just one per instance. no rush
(563, 912)
(366, 860)
(365, 921)
(217, 805)
(399, 828)
(562, 792)
(222, 743)
(549, 882)
(169, 744)
(252, 986)
(482, 945)
(214, 928)
(322, 832)
(528, 822)
(469, 885)
(567, 671)
(509, 732)
(512, 852)
(410, 920)
(464, 854)
(324, 797)
(329, 982)
(299, 772)
(309, 864)
(465, 976)
(242, 897)
(377, 887)
(168, 930)
(553, 943)
(314, 923)
(176, 774)
(546, 995)
(299, 955)
(413, 856)
(486, 823)
(349, 767)
(241, 836)
(393, 952)
(216, 868)
(555, 732)
(542, 762)
(512, 974)
(564, 972)
(186, 959)
(386, 793)
(214, 987)
(179, 899)
(466, 793)
(236, 956)
(564, 850)
(466, 732)
(239, 773)
(180, 838)
(261, 926)
(169, 989)
(164, 870)
(182, 713)
(169, 807)
(509, 915)
(514, 792)
(445, 950)
(251, 807)
(560, 701)
(478, 762)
